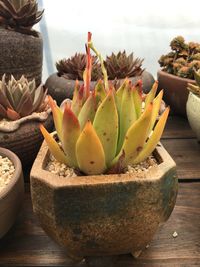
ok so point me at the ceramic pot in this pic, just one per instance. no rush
(21, 54)
(103, 215)
(193, 113)
(61, 88)
(175, 91)
(26, 140)
(12, 195)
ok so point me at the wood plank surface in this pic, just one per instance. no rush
(27, 245)
(186, 154)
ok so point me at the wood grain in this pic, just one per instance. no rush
(27, 244)
(186, 154)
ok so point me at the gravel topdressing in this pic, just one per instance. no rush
(6, 172)
(64, 171)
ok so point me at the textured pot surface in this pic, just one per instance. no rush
(21, 54)
(60, 88)
(193, 113)
(11, 197)
(175, 91)
(26, 140)
(105, 214)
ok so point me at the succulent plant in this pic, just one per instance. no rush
(121, 65)
(20, 15)
(195, 88)
(104, 131)
(20, 98)
(183, 59)
(73, 68)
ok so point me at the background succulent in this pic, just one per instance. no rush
(20, 15)
(20, 98)
(105, 130)
(121, 65)
(73, 68)
(195, 88)
(183, 59)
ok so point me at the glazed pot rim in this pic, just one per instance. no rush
(172, 76)
(195, 96)
(17, 173)
(165, 163)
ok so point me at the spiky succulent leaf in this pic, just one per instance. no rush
(127, 115)
(57, 117)
(121, 65)
(137, 99)
(89, 151)
(53, 146)
(135, 138)
(151, 95)
(71, 132)
(100, 91)
(20, 15)
(12, 115)
(154, 138)
(88, 111)
(156, 107)
(106, 126)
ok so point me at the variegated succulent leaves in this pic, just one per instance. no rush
(104, 130)
(20, 98)
(195, 88)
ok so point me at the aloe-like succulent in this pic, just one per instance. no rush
(20, 15)
(195, 88)
(183, 59)
(104, 130)
(121, 65)
(20, 98)
(73, 68)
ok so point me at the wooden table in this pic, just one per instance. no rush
(27, 245)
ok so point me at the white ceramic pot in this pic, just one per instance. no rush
(193, 113)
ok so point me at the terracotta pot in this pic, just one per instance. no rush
(21, 54)
(103, 214)
(12, 195)
(175, 91)
(26, 140)
(193, 113)
(60, 88)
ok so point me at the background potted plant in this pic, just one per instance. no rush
(119, 66)
(11, 189)
(177, 71)
(96, 201)
(193, 105)
(21, 47)
(23, 106)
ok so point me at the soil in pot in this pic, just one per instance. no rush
(7, 169)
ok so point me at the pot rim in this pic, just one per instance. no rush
(172, 76)
(17, 173)
(165, 163)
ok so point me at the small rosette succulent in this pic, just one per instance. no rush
(104, 130)
(20, 15)
(20, 98)
(195, 88)
(121, 65)
(183, 59)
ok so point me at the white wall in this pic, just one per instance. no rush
(143, 27)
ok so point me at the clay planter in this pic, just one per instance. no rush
(11, 196)
(105, 214)
(60, 88)
(21, 54)
(26, 140)
(175, 91)
(193, 113)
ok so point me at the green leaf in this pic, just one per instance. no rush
(106, 126)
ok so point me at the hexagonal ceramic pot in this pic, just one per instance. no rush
(193, 113)
(103, 214)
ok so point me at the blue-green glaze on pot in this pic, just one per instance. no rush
(104, 214)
